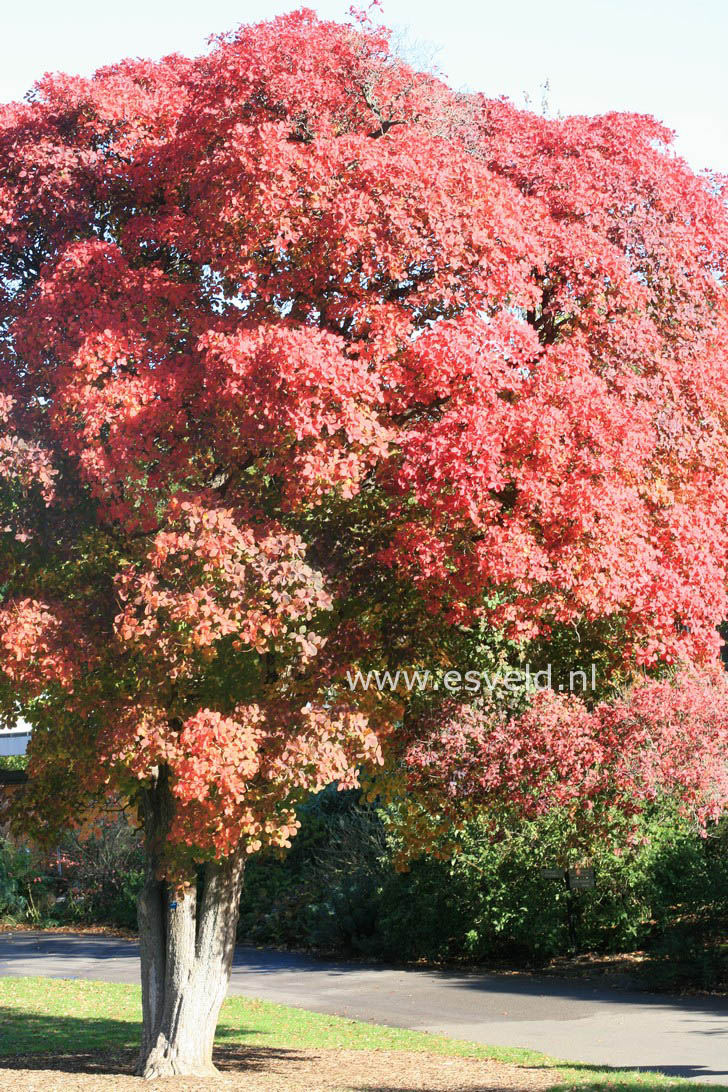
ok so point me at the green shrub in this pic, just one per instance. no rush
(338, 892)
(13, 877)
(88, 879)
(104, 871)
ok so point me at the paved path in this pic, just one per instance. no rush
(686, 1037)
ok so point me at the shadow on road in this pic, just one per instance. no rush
(522, 984)
(20, 947)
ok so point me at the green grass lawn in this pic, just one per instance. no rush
(74, 1015)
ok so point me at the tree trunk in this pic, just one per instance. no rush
(186, 944)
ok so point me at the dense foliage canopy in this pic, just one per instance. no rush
(308, 362)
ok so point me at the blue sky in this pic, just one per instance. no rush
(664, 58)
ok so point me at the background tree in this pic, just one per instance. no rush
(310, 362)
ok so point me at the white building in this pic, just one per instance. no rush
(14, 741)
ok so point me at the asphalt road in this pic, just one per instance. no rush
(686, 1037)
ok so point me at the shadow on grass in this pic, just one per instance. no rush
(123, 1062)
(66, 1044)
(115, 1063)
(606, 1084)
(69, 1044)
(631, 1076)
(103, 1045)
(23, 1032)
(630, 1079)
(685, 1072)
(635, 1077)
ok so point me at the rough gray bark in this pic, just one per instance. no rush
(186, 943)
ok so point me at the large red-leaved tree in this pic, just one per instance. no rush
(308, 362)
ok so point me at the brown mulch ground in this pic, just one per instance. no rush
(89, 930)
(267, 1070)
